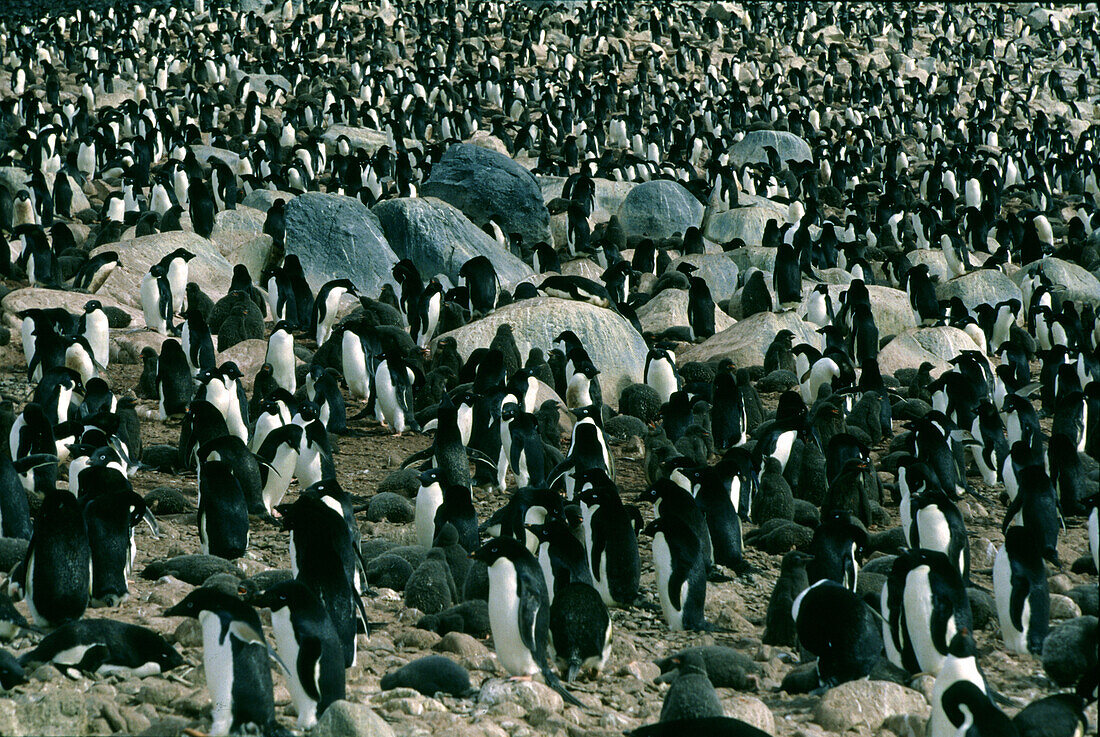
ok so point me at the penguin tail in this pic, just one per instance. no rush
(573, 669)
(555, 683)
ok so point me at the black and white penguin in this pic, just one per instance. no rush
(110, 517)
(323, 389)
(837, 545)
(430, 306)
(235, 659)
(728, 420)
(970, 712)
(519, 611)
(197, 343)
(611, 542)
(93, 273)
(681, 573)
(560, 554)
(280, 354)
(960, 666)
(840, 629)
(156, 300)
(580, 630)
(429, 497)
(660, 372)
(1020, 587)
(15, 516)
(482, 284)
(174, 384)
(106, 647)
(223, 511)
(938, 525)
(393, 401)
(457, 510)
(325, 307)
(56, 573)
(307, 642)
(278, 451)
(700, 308)
(201, 207)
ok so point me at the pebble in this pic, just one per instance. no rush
(417, 639)
(462, 645)
(1063, 607)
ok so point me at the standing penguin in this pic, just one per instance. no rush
(235, 659)
(840, 629)
(280, 354)
(938, 525)
(325, 306)
(700, 309)
(1020, 586)
(681, 573)
(308, 644)
(223, 511)
(692, 695)
(779, 628)
(56, 574)
(481, 283)
(174, 384)
(94, 328)
(156, 300)
(110, 517)
(971, 713)
(197, 343)
(960, 666)
(580, 629)
(728, 421)
(611, 542)
(660, 372)
(519, 611)
(393, 383)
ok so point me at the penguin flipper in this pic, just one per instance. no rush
(309, 655)
(419, 455)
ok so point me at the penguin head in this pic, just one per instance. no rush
(281, 325)
(91, 306)
(230, 370)
(497, 548)
(293, 594)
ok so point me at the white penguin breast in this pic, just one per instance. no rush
(917, 600)
(217, 656)
(504, 620)
(932, 529)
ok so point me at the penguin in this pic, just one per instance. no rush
(94, 272)
(691, 695)
(56, 573)
(836, 546)
(560, 554)
(524, 447)
(223, 511)
(840, 629)
(156, 300)
(1036, 509)
(235, 659)
(280, 354)
(728, 418)
(106, 647)
(938, 525)
(700, 309)
(323, 389)
(430, 306)
(681, 573)
(1020, 588)
(779, 628)
(393, 381)
(173, 383)
(431, 675)
(323, 558)
(110, 518)
(1061, 715)
(15, 517)
(959, 667)
(519, 611)
(457, 510)
(201, 207)
(197, 344)
(325, 306)
(429, 497)
(660, 372)
(969, 711)
(279, 452)
(482, 284)
(307, 642)
(612, 544)
(580, 630)
(94, 327)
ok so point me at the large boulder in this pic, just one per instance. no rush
(659, 209)
(913, 347)
(984, 286)
(746, 223)
(614, 346)
(263, 199)
(205, 153)
(609, 194)
(487, 185)
(718, 270)
(750, 149)
(669, 309)
(933, 258)
(239, 235)
(337, 237)
(439, 239)
(18, 300)
(367, 140)
(747, 341)
(759, 256)
(209, 269)
(1077, 284)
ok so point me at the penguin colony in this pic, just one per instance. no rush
(945, 144)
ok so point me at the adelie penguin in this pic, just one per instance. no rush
(223, 511)
(482, 284)
(174, 385)
(660, 372)
(94, 272)
(325, 307)
(106, 647)
(393, 401)
(612, 544)
(519, 611)
(840, 629)
(156, 300)
(681, 573)
(308, 644)
(1020, 587)
(280, 354)
(235, 658)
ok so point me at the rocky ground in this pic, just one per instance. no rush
(625, 696)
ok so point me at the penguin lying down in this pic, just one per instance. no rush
(103, 647)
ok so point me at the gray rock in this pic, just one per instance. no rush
(616, 349)
(866, 703)
(57, 711)
(718, 270)
(1063, 607)
(758, 256)
(209, 269)
(346, 719)
(1070, 650)
(486, 185)
(750, 710)
(746, 223)
(669, 309)
(984, 286)
(529, 695)
(363, 139)
(263, 199)
(750, 149)
(390, 507)
(463, 645)
(1078, 284)
(747, 341)
(338, 237)
(205, 153)
(440, 239)
(659, 209)
(15, 179)
(239, 235)
(913, 347)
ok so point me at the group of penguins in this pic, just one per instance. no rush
(562, 545)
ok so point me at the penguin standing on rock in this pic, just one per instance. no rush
(660, 372)
(325, 306)
(519, 611)
(156, 300)
(235, 658)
